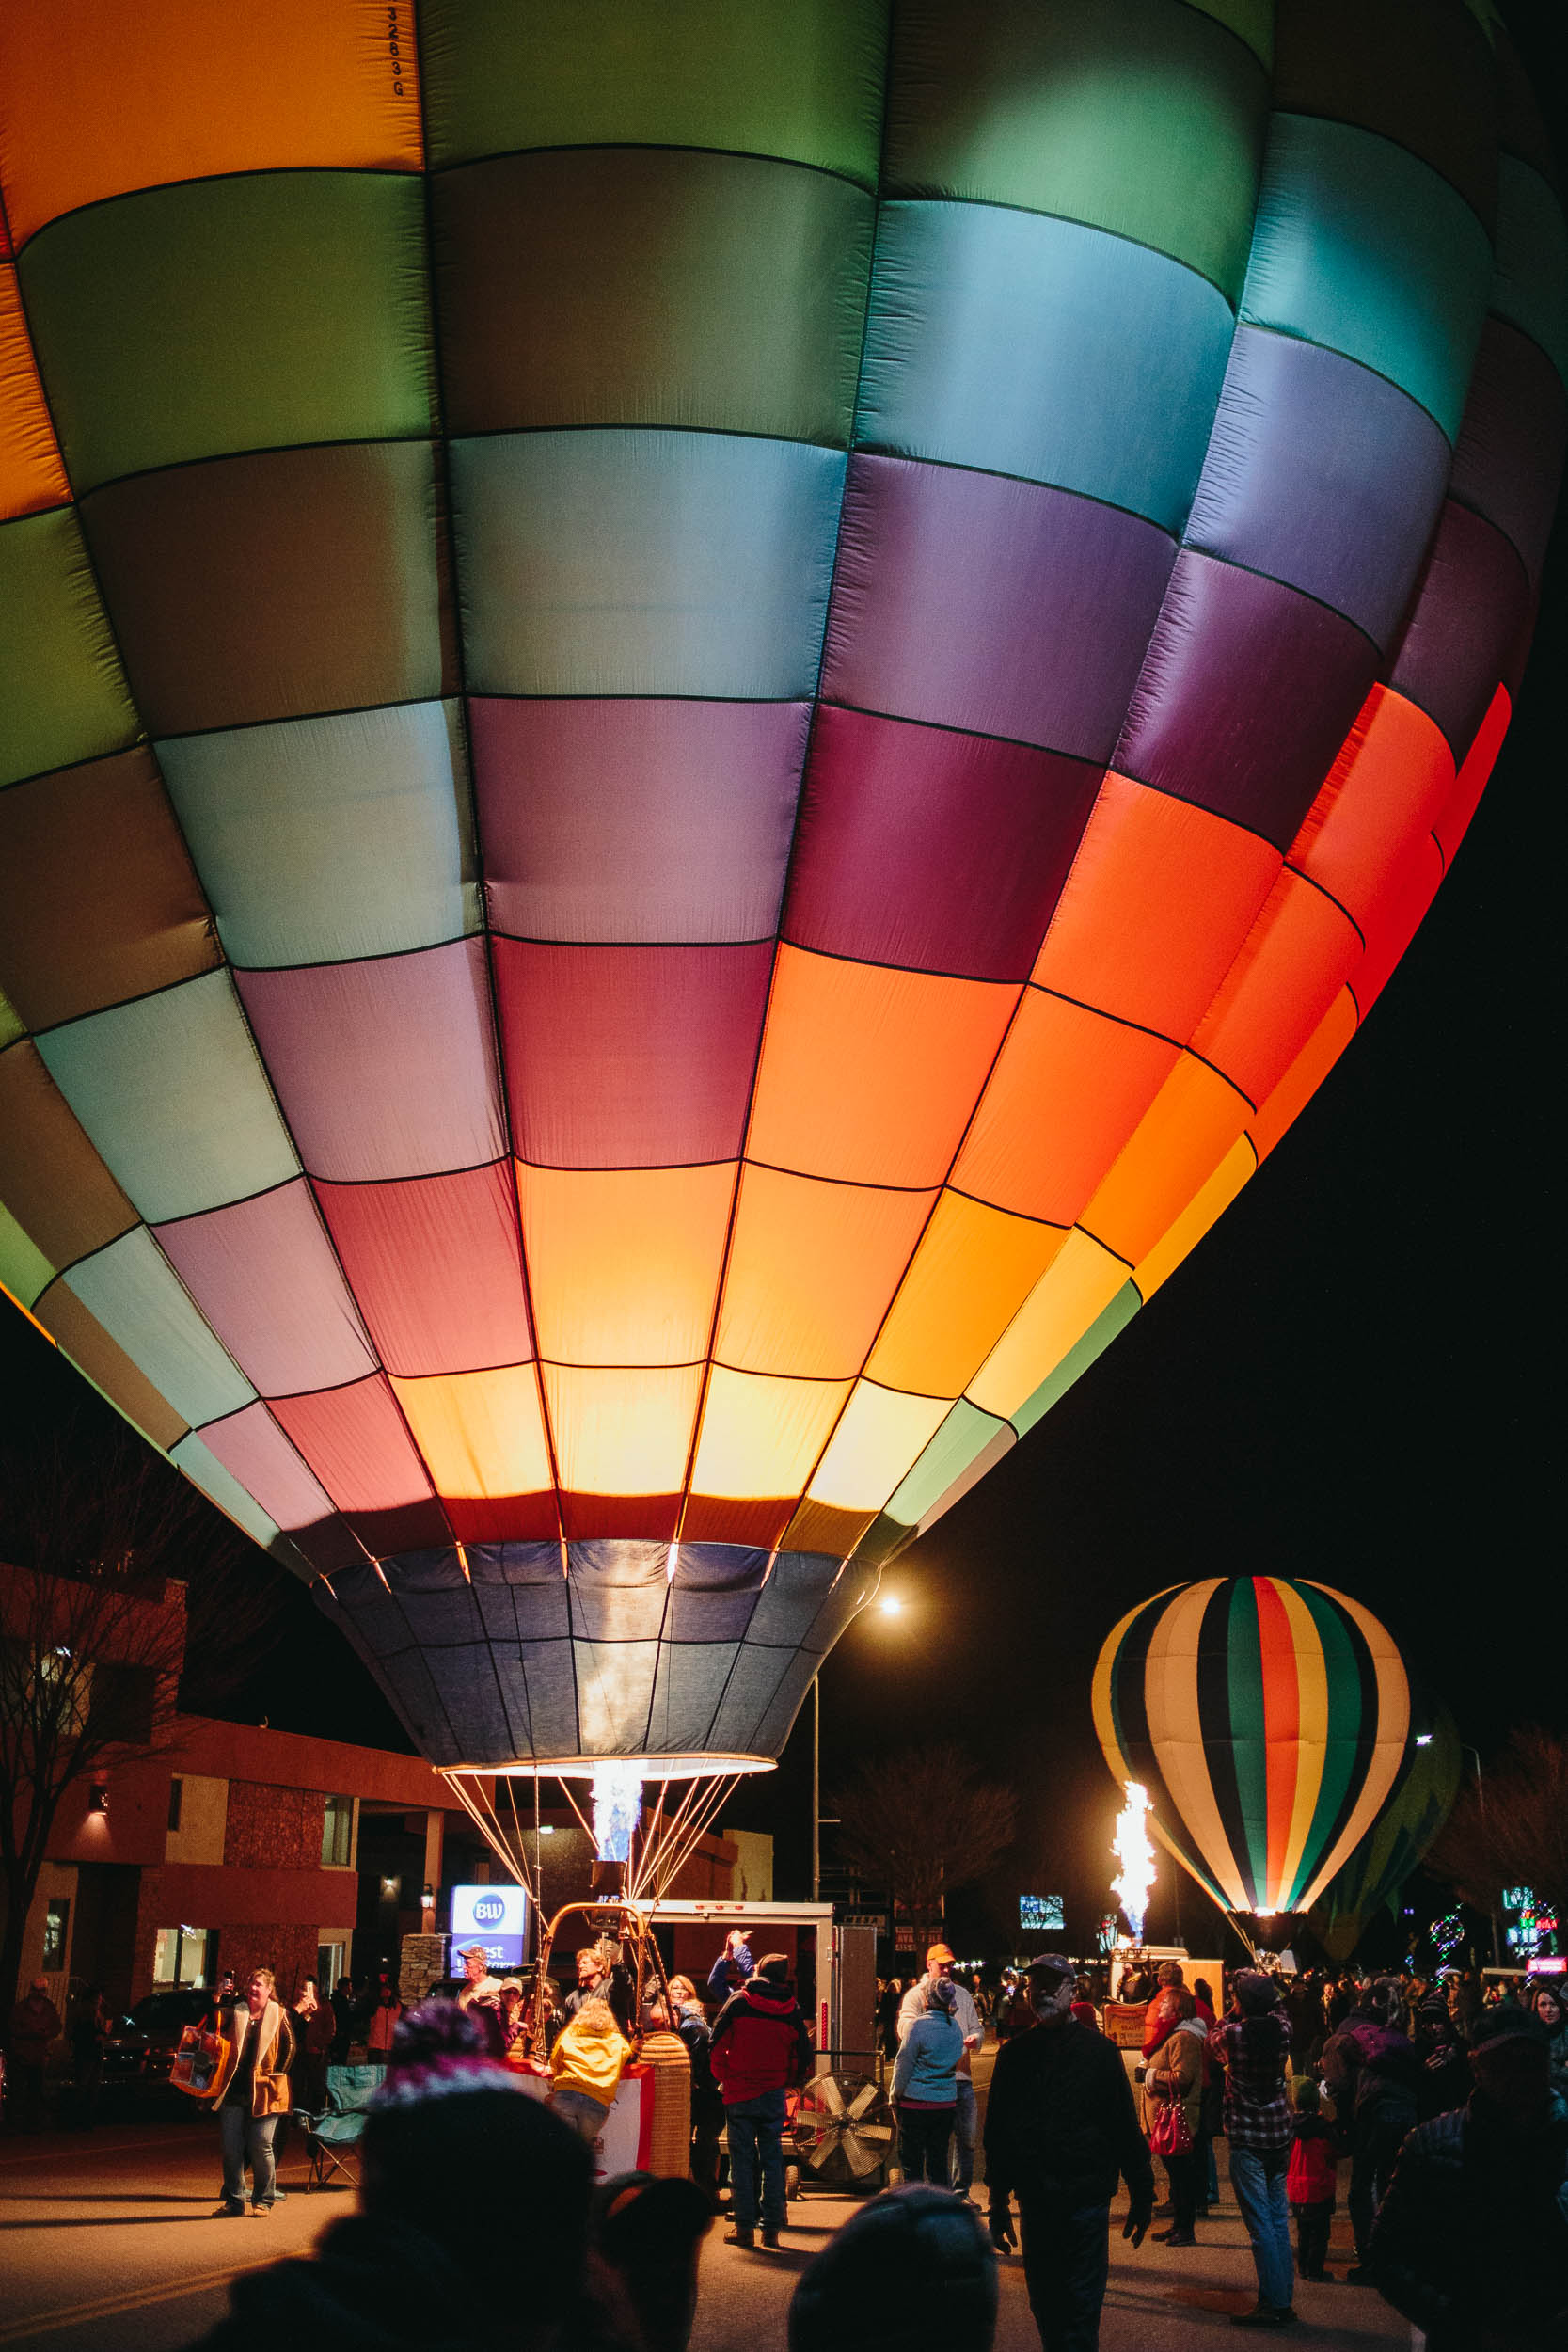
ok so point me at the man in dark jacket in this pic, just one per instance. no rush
(760, 2047)
(1060, 2126)
(1471, 2239)
(1372, 2071)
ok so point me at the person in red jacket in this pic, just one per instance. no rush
(760, 2047)
(1312, 2180)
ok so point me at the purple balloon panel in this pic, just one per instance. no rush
(1246, 697)
(636, 819)
(263, 1273)
(935, 852)
(1001, 607)
(629, 1056)
(385, 1067)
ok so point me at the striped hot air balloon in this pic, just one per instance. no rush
(1269, 1719)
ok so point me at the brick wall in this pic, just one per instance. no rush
(289, 1952)
(272, 1828)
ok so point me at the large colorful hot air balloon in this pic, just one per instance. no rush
(1269, 1719)
(710, 713)
(1374, 1873)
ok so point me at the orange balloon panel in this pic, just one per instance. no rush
(869, 1075)
(973, 1271)
(619, 1432)
(1193, 1121)
(762, 1436)
(482, 1433)
(1160, 896)
(31, 474)
(1068, 1088)
(116, 101)
(813, 1269)
(1297, 956)
(1391, 780)
(624, 1262)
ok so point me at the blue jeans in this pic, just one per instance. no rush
(962, 2165)
(757, 2138)
(1066, 2259)
(247, 2138)
(1258, 2177)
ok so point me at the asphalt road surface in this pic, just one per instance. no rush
(106, 2240)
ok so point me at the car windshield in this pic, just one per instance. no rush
(169, 2009)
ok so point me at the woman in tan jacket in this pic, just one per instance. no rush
(255, 2093)
(1174, 2077)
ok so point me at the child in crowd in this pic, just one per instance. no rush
(1311, 2180)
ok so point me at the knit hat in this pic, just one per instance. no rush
(439, 2048)
(1504, 2020)
(910, 2272)
(1255, 1992)
(941, 1992)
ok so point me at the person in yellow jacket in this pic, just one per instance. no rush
(255, 2094)
(585, 2067)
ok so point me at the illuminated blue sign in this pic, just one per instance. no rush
(496, 1917)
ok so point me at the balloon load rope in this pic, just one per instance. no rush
(660, 1845)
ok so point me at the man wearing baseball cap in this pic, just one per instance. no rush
(938, 1963)
(1471, 2239)
(1060, 2127)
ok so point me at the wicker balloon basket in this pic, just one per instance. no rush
(670, 2151)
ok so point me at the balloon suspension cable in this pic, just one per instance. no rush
(652, 1842)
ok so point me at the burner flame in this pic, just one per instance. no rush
(1130, 1845)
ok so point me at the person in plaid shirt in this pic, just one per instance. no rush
(1252, 2045)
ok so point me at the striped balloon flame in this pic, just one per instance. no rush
(1132, 1850)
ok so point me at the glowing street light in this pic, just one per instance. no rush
(1135, 1881)
(890, 1604)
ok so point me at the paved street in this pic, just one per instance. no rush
(106, 2240)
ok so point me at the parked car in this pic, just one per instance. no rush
(161, 2018)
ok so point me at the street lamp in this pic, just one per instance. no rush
(1465, 1749)
(889, 1605)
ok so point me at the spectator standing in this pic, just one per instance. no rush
(1545, 1999)
(1372, 2071)
(1252, 2046)
(315, 2030)
(1211, 2108)
(35, 2023)
(89, 2031)
(590, 1983)
(888, 2004)
(255, 2096)
(915, 2003)
(924, 2085)
(1444, 2079)
(732, 1968)
(707, 2105)
(343, 2018)
(1173, 2098)
(383, 2020)
(760, 2049)
(1471, 2239)
(480, 1995)
(1060, 2126)
(1312, 2181)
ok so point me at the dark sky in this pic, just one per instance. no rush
(1354, 1378)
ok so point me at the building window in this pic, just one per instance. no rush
(337, 1834)
(180, 1956)
(176, 1801)
(57, 1932)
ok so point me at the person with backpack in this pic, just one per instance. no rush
(1372, 2073)
(760, 2049)
(1311, 2180)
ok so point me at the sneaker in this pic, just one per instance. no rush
(742, 2235)
(1264, 2315)
(226, 2211)
(1174, 2237)
(260, 2213)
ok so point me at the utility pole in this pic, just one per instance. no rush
(1480, 1793)
(816, 1787)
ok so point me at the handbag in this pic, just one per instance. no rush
(200, 2073)
(1170, 2136)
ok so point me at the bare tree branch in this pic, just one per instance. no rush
(922, 1823)
(1510, 1829)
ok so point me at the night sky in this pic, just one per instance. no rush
(1354, 1378)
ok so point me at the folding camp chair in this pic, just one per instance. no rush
(331, 2138)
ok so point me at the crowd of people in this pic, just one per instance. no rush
(1438, 2107)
